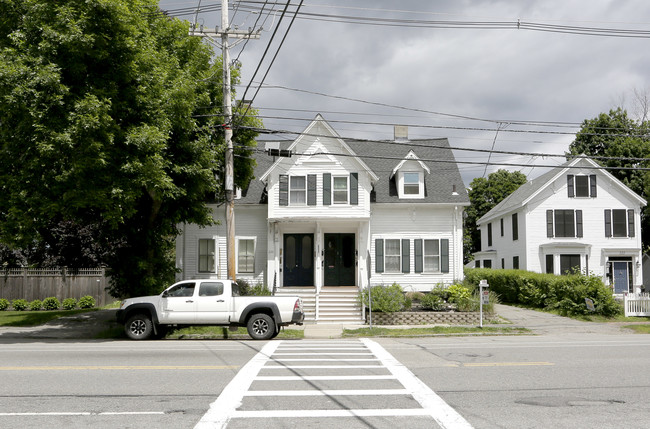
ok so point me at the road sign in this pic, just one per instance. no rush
(485, 297)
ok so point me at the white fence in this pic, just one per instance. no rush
(637, 304)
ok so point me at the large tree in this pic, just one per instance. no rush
(106, 128)
(624, 142)
(484, 194)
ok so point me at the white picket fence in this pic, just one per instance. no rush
(637, 304)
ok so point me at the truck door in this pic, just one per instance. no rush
(178, 304)
(213, 304)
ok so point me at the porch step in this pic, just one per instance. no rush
(335, 304)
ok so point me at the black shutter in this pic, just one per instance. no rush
(406, 255)
(354, 189)
(311, 189)
(569, 185)
(549, 223)
(284, 190)
(515, 227)
(418, 255)
(608, 223)
(444, 255)
(579, 223)
(327, 190)
(592, 186)
(630, 223)
(379, 255)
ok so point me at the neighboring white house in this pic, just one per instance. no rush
(574, 216)
(341, 213)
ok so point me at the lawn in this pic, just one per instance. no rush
(436, 330)
(35, 318)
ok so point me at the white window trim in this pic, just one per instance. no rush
(424, 254)
(400, 185)
(575, 186)
(237, 240)
(399, 265)
(291, 203)
(347, 181)
(215, 255)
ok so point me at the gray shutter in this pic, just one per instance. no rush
(311, 189)
(354, 189)
(327, 189)
(569, 185)
(406, 255)
(630, 223)
(418, 255)
(608, 223)
(579, 223)
(284, 190)
(444, 255)
(549, 223)
(379, 255)
(592, 186)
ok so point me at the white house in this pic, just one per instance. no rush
(574, 216)
(340, 215)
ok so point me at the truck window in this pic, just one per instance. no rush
(235, 289)
(211, 289)
(183, 289)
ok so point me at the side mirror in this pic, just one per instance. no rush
(165, 294)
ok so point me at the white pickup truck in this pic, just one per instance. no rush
(208, 302)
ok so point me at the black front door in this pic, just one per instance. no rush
(340, 261)
(298, 259)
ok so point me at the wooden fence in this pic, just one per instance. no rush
(31, 284)
(637, 304)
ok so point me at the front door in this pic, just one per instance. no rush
(340, 261)
(621, 277)
(298, 265)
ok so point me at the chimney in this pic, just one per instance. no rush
(401, 133)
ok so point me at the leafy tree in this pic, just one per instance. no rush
(110, 130)
(484, 194)
(616, 135)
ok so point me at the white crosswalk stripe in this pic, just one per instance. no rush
(339, 370)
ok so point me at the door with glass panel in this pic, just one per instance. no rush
(298, 260)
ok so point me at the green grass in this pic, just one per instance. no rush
(35, 318)
(436, 330)
(218, 332)
(639, 329)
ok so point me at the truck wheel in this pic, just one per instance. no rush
(138, 327)
(261, 327)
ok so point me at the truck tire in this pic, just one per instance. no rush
(138, 327)
(261, 327)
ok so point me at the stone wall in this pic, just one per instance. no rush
(427, 318)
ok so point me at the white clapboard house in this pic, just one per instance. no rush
(575, 216)
(337, 216)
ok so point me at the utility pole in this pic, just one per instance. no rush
(226, 33)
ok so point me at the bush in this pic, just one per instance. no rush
(36, 305)
(19, 304)
(260, 289)
(86, 302)
(433, 301)
(4, 304)
(69, 304)
(386, 299)
(51, 303)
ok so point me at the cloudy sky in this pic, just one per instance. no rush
(449, 68)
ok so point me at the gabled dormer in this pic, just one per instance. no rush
(409, 177)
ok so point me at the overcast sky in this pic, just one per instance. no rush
(425, 77)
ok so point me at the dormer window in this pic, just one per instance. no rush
(340, 189)
(411, 183)
(298, 190)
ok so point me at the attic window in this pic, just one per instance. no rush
(411, 183)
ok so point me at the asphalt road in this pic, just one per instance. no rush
(561, 381)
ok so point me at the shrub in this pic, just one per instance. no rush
(415, 296)
(51, 303)
(86, 302)
(387, 299)
(260, 289)
(4, 304)
(433, 301)
(19, 304)
(36, 305)
(69, 304)
(244, 287)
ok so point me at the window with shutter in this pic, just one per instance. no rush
(311, 189)
(406, 256)
(327, 186)
(444, 255)
(379, 255)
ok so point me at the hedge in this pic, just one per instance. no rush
(565, 293)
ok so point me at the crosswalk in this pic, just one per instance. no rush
(348, 383)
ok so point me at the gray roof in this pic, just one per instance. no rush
(382, 158)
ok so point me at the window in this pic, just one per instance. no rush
(206, 255)
(549, 264)
(297, 190)
(564, 223)
(568, 263)
(431, 256)
(393, 256)
(503, 263)
(501, 227)
(487, 263)
(619, 223)
(180, 290)
(515, 262)
(515, 227)
(211, 289)
(581, 186)
(340, 192)
(489, 233)
(411, 183)
(246, 255)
